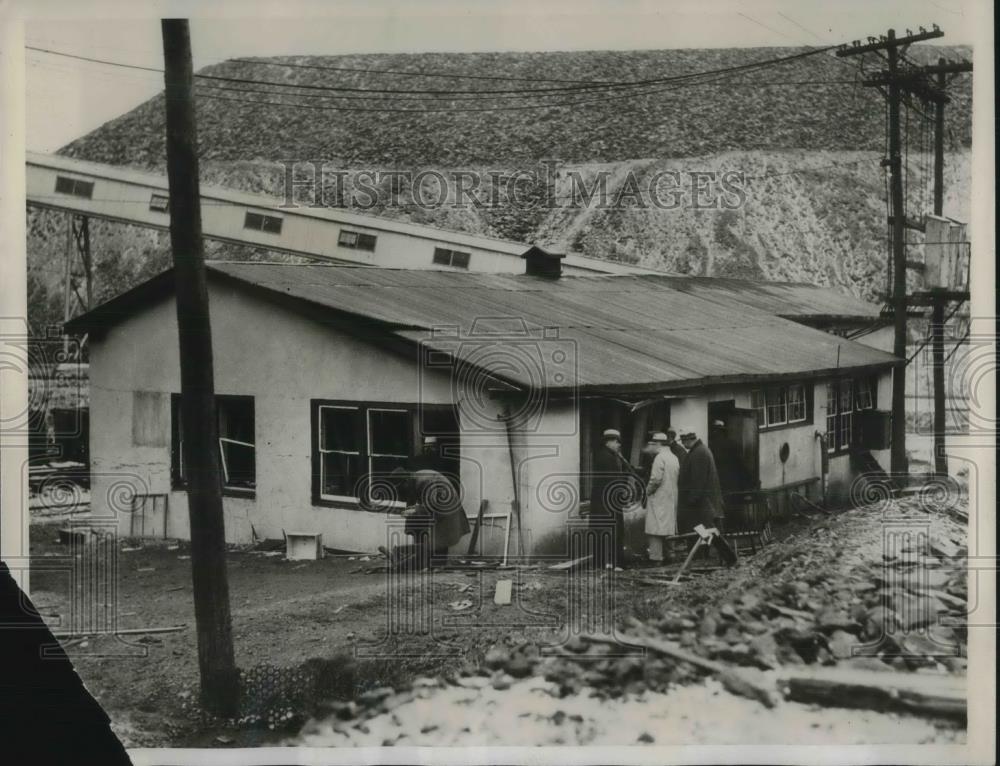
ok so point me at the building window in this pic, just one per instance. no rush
(357, 240)
(831, 417)
(778, 406)
(757, 403)
(358, 445)
(845, 413)
(456, 258)
(237, 443)
(844, 399)
(74, 186)
(269, 224)
(796, 403)
(865, 398)
(159, 203)
(339, 444)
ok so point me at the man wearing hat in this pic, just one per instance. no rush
(679, 452)
(661, 493)
(699, 493)
(613, 490)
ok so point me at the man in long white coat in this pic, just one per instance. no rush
(661, 494)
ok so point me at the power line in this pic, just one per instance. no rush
(565, 89)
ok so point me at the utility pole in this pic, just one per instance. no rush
(895, 81)
(937, 301)
(216, 662)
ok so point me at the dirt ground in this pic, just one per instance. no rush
(332, 620)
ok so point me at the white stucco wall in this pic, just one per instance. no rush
(283, 361)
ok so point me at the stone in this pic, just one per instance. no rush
(879, 621)
(841, 644)
(832, 620)
(709, 625)
(496, 657)
(519, 667)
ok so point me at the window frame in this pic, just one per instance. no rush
(762, 406)
(177, 480)
(361, 241)
(157, 197)
(265, 220)
(414, 412)
(444, 256)
(75, 185)
(319, 451)
(844, 432)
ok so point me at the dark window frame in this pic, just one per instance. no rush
(263, 222)
(414, 414)
(458, 259)
(77, 187)
(360, 241)
(177, 481)
(846, 421)
(162, 199)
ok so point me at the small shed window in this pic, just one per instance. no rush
(456, 258)
(757, 403)
(831, 417)
(259, 222)
(357, 241)
(159, 203)
(74, 186)
(845, 413)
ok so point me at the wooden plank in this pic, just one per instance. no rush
(126, 632)
(943, 696)
(503, 592)
(475, 530)
(734, 680)
(572, 563)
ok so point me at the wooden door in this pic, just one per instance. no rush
(741, 426)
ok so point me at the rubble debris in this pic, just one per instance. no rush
(571, 563)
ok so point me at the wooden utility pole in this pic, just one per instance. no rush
(216, 662)
(914, 81)
(895, 80)
(942, 69)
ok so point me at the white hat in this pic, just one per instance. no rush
(683, 431)
(659, 436)
(719, 423)
(611, 433)
(430, 440)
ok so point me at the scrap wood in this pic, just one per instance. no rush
(571, 563)
(734, 680)
(943, 696)
(126, 632)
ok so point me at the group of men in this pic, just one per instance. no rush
(682, 491)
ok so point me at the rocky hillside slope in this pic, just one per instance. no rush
(809, 203)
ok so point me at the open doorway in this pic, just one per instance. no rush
(733, 439)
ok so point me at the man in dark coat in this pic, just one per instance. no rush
(679, 452)
(613, 490)
(699, 493)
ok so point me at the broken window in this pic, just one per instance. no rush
(237, 442)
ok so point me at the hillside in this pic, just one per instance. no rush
(811, 206)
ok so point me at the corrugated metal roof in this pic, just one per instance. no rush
(615, 331)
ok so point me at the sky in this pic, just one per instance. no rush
(66, 98)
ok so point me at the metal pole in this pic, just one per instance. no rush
(937, 311)
(219, 677)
